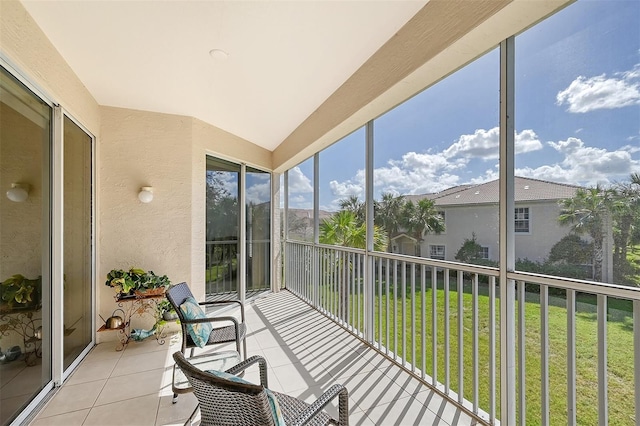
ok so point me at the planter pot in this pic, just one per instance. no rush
(169, 316)
(150, 292)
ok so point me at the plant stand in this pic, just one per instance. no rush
(23, 323)
(132, 307)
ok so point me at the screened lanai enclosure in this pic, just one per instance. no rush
(516, 180)
(452, 199)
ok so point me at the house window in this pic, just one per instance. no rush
(522, 219)
(484, 252)
(436, 252)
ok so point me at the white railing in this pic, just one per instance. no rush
(441, 320)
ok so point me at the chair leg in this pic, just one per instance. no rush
(244, 346)
(189, 421)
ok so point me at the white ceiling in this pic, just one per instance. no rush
(285, 57)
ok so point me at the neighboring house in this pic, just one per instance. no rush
(469, 209)
(301, 223)
(404, 244)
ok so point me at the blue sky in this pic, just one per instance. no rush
(577, 116)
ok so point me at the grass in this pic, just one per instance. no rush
(620, 349)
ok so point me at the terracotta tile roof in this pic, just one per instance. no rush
(526, 189)
(434, 195)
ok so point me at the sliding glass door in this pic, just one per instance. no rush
(229, 252)
(25, 205)
(78, 255)
(31, 299)
(222, 229)
(258, 229)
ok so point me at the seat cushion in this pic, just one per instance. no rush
(200, 332)
(278, 418)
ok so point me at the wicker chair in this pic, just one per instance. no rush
(225, 402)
(236, 332)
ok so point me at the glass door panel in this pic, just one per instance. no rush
(25, 292)
(222, 231)
(258, 208)
(77, 241)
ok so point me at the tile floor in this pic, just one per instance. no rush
(306, 353)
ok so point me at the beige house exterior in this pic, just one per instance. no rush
(473, 209)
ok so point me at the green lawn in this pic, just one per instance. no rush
(620, 351)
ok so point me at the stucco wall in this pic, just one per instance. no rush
(26, 46)
(137, 149)
(461, 222)
(21, 159)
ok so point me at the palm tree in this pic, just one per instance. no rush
(626, 216)
(353, 204)
(587, 212)
(344, 229)
(388, 214)
(422, 218)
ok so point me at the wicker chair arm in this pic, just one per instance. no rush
(343, 406)
(211, 319)
(241, 367)
(225, 302)
(220, 302)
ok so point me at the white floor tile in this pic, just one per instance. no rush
(133, 411)
(73, 398)
(75, 418)
(403, 412)
(306, 354)
(123, 388)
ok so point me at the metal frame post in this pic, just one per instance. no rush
(507, 251)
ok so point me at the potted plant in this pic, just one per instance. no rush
(165, 311)
(19, 292)
(137, 282)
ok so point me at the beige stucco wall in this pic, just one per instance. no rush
(26, 46)
(21, 142)
(462, 221)
(138, 149)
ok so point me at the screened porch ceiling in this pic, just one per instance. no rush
(298, 76)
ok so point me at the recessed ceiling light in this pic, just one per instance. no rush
(218, 54)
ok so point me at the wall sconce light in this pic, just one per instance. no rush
(19, 192)
(146, 194)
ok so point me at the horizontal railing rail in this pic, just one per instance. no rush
(441, 320)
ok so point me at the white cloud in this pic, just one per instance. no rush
(417, 173)
(586, 165)
(485, 144)
(228, 181)
(259, 193)
(420, 173)
(346, 189)
(602, 92)
(298, 182)
(300, 202)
